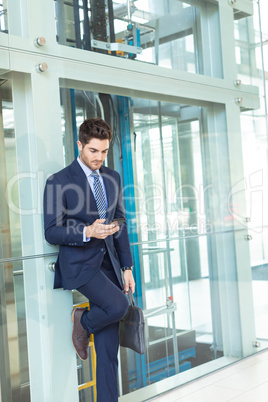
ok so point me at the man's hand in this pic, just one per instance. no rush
(101, 231)
(128, 281)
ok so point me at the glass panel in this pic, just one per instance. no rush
(180, 228)
(259, 264)
(3, 17)
(177, 183)
(252, 51)
(248, 46)
(15, 371)
(10, 241)
(171, 34)
(254, 143)
(76, 107)
(4, 40)
(185, 312)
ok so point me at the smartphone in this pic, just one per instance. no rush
(119, 221)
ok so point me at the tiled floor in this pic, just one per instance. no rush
(244, 381)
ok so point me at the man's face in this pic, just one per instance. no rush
(93, 153)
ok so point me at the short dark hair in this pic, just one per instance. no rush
(94, 128)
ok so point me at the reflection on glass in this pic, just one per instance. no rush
(169, 170)
(168, 34)
(3, 17)
(259, 258)
(13, 339)
(181, 229)
(248, 45)
(74, 105)
(252, 69)
(163, 283)
(10, 241)
(183, 304)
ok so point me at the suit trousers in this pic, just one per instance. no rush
(108, 304)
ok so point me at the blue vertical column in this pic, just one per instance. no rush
(73, 108)
(129, 197)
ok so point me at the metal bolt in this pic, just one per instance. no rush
(41, 68)
(95, 43)
(40, 41)
(51, 266)
(43, 316)
(108, 46)
(41, 287)
(237, 83)
(256, 344)
(248, 237)
(248, 219)
(239, 100)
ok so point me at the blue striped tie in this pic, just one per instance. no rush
(99, 195)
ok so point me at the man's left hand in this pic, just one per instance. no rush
(128, 281)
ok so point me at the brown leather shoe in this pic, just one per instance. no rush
(80, 337)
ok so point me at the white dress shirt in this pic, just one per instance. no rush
(90, 179)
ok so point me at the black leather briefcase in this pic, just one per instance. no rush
(131, 328)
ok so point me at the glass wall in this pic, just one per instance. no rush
(178, 83)
(14, 370)
(180, 221)
(11, 242)
(251, 55)
(172, 34)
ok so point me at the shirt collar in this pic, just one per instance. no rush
(85, 168)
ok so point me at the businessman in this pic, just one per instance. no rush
(82, 211)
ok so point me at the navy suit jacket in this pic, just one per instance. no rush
(69, 206)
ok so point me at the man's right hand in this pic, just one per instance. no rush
(101, 231)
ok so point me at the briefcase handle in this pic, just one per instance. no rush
(131, 298)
